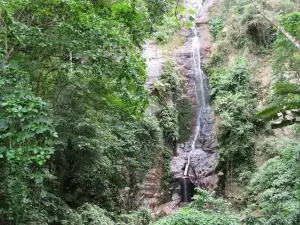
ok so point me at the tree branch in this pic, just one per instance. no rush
(279, 27)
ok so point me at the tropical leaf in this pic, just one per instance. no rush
(286, 112)
(287, 88)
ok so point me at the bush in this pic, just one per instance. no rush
(286, 56)
(216, 26)
(272, 189)
(207, 201)
(164, 31)
(206, 209)
(140, 217)
(94, 215)
(234, 100)
(168, 119)
(195, 217)
(170, 84)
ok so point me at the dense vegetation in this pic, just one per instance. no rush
(75, 127)
(205, 210)
(270, 192)
(73, 131)
(246, 41)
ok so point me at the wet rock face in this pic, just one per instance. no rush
(204, 159)
(203, 166)
(207, 137)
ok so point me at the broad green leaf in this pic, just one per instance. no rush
(13, 64)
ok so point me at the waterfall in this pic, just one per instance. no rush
(197, 161)
(201, 89)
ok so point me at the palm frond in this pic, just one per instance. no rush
(287, 88)
(285, 113)
(269, 113)
(275, 111)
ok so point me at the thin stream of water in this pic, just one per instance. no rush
(202, 91)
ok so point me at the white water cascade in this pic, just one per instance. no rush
(201, 89)
(196, 161)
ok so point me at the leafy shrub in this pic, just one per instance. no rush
(194, 217)
(26, 131)
(164, 31)
(170, 84)
(167, 155)
(286, 56)
(168, 119)
(273, 146)
(206, 201)
(94, 215)
(29, 203)
(206, 209)
(216, 25)
(272, 189)
(119, 155)
(234, 101)
(142, 216)
(157, 9)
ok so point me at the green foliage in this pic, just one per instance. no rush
(74, 67)
(26, 131)
(170, 84)
(117, 152)
(185, 115)
(285, 106)
(93, 215)
(168, 89)
(206, 209)
(168, 119)
(272, 189)
(206, 201)
(216, 26)
(163, 32)
(245, 26)
(285, 55)
(142, 217)
(58, 55)
(169, 24)
(194, 217)
(234, 101)
(157, 9)
(167, 155)
(272, 146)
(27, 201)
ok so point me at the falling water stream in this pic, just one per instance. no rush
(202, 91)
(204, 125)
